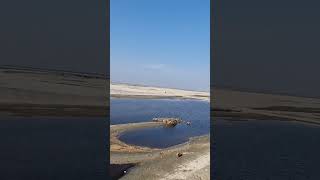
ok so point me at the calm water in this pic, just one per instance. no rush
(267, 150)
(53, 148)
(141, 110)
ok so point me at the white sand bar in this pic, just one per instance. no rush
(126, 90)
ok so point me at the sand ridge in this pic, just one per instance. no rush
(249, 105)
(138, 91)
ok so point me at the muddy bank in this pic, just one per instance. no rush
(49, 110)
(193, 160)
(39, 92)
(116, 130)
(259, 106)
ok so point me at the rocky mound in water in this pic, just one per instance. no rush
(171, 122)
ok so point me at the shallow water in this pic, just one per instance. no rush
(267, 150)
(143, 110)
(53, 148)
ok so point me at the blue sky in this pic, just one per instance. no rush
(162, 43)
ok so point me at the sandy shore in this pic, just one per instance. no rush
(36, 92)
(193, 164)
(135, 91)
(39, 92)
(161, 164)
(248, 105)
(116, 130)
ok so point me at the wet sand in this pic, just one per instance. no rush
(152, 163)
(248, 105)
(193, 164)
(116, 130)
(38, 92)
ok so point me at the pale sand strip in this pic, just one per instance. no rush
(190, 169)
(126, 90)
(165, 164)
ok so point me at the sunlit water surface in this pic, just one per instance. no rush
(143, 110)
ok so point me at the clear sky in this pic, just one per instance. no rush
(162, 43)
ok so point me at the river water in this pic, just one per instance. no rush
(266, 150)
(143, 110)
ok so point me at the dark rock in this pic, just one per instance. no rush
(171, 122)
